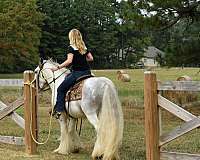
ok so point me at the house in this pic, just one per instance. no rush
(151, 57)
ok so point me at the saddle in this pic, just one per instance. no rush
(75, 92)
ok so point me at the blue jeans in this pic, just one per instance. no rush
(68, 82)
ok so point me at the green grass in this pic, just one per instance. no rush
(131, 96)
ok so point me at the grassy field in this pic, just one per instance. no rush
(131, 96)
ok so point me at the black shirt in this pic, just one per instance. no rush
(79, 62)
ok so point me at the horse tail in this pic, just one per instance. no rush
(110, 126)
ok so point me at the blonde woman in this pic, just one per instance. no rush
(78, 58)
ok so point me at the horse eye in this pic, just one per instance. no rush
(35, 72)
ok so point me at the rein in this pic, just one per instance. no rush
(54, 79)
(31, 85)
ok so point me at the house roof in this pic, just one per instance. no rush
(152, 52)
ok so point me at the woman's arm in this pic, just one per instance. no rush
(65, 63)
(89, 57)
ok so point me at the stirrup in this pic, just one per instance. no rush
(56, 114)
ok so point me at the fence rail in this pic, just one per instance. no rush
(12, 82)
(193, 86)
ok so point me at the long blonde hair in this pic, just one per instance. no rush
(76, 40)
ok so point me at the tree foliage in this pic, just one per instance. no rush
(20, 34)
(174, 29)
(133, 35)
(183, 48)
(165, 14)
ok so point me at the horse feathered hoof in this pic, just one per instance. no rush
(98, 157)
(76, 150)
(101, 158)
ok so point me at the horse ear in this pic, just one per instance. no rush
(40, 64)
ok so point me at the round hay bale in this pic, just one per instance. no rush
(125, 77)
(184, 78)
(121, 72)
(181, 97)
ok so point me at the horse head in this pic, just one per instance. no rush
(44, 74)
(39, 75)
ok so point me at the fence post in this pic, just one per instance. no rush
(30, 113)
(151, 116)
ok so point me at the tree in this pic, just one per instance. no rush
(20, 34)
(133, 35)
(54, 29)
(174, 28)
(165, 14)
(184, 48)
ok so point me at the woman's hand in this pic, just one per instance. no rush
(89, 57)
(54, 69)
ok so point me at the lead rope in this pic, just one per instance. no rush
(50, 121)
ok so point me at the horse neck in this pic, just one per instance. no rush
(59, 77)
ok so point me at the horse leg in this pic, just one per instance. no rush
(74, 139)
(69, 139)
(96, 154)
(93, 119)
(63, 148)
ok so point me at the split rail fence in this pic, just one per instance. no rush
(29, 101)
(153, 102)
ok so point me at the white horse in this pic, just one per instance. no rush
(99, 104)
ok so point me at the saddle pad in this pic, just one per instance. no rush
(75, 93)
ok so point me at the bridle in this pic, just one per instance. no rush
(46, 87)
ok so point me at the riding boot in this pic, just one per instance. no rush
(55, 113)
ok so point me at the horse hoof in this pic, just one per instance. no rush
(99, 157)
(75, 150)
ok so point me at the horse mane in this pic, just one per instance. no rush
(51, 61)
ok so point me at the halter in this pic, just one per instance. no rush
(42, 74)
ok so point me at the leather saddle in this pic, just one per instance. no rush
(75, 92)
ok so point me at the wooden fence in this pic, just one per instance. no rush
(29, 122)
(12, 82)
(153, 101)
